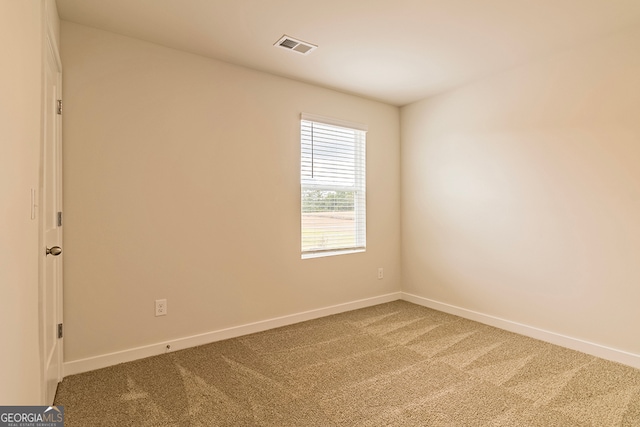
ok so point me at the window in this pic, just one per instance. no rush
(333, 186)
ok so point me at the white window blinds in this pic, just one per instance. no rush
(333, 184)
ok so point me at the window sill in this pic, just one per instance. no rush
(331, 253)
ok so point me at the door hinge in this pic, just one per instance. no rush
(59, 330)
(59, 106)
(59, 219)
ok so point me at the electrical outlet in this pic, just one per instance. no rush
(161, 307)
(380, 273)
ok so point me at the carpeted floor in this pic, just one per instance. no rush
(395, 364)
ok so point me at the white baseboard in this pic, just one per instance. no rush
(608, 353)
(102, 361)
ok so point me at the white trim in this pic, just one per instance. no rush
(110, 359)
(102, 361)
(608, 353)
(334, 122)
(312, 255)
(51, 38)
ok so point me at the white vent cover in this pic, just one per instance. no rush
(295, 45)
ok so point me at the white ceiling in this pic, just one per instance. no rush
(396, 51)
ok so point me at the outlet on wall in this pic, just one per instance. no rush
(161, 307)
(380, 273)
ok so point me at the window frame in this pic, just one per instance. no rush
(359, 187)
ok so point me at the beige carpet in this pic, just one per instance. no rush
(396, 364)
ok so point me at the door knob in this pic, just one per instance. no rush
(54, 250)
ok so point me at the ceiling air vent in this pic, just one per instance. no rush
(295, 45)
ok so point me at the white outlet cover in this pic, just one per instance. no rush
(161, 307)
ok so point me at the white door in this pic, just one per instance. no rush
(51, 228)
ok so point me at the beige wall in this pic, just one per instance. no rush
(21, 43)
(182, 182)
(521, 194)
